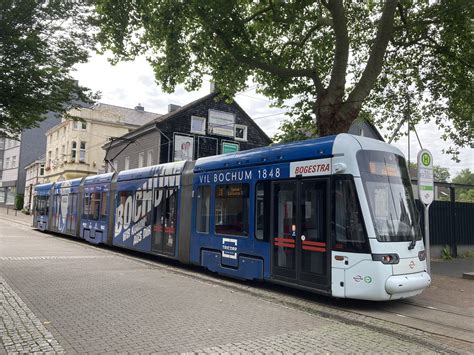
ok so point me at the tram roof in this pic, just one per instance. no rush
(98, 179)
(44, 187)
(68, 183)
(301, 150)
(152, 171)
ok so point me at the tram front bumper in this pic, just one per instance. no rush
(407, 283)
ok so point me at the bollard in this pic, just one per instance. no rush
(8, 209)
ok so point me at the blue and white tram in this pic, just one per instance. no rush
(333, 215)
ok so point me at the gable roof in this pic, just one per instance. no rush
(162, 118)
(115, 114)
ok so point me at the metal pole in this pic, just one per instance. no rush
(427, 238)
(454, 244)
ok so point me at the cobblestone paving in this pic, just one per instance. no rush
(333, 338)
(20, 330)
(96, 300)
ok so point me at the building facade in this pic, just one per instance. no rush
(17, 154)
(34, 176)
(74, 146)
(9, 179)
(205, 127)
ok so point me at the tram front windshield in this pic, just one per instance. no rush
(388, 190)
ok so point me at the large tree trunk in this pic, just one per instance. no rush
(333, 115)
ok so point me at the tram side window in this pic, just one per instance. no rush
(203, 209)
(86, 206)
(94, 211)
(42, 205)
(348, 222)
(103, 206)
(231, 215)
(262, 210)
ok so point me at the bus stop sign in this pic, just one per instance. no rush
(425, 177)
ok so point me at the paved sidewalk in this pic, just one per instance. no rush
(96, 300)
(15, 216)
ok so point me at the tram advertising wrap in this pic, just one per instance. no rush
(333, 215)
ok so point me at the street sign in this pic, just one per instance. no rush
(426, 194)
(425, 177)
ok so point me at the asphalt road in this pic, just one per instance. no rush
(63, 295)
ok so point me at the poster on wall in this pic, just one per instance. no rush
(183, 148)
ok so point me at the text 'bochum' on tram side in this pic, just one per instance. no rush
(333, 215)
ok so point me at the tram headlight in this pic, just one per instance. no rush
(422, 255)
(386, 258)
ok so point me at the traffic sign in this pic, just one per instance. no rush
(425, 177)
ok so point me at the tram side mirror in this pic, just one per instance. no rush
(339, 168)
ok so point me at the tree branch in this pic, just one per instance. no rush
(341, 52)
(256, 62)
(377, 53)
(258, 13)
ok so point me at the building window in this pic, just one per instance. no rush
(203, 209)
(231, 214)
(127, 163)
(78, 125)
(41, 173)
(141, 157)
(50, 153)
(56, 154)
(14, 161)
(149, 158)
(82, 152)
(7, 163)
(198, 125)
(73, 150)
(240, 132)
(63, 152)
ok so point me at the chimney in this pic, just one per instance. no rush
(213, 87)
(173, 107)
(139, 107)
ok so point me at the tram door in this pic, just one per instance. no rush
(300, 232)
(164, 221)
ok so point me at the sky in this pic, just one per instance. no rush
(130, 83)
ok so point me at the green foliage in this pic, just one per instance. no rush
(465, 177)
(297, 129)
(19, 200)
(40, 42)
(446, 253)
(300, 49)
(441, 174)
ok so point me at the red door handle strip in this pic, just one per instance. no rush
(322, 250)
(315, 244)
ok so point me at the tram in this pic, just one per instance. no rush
(333, 215)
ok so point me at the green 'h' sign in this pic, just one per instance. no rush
(426, 159)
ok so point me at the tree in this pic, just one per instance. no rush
(335, 57)
(40, 42)
(465, 177)
(441, 174)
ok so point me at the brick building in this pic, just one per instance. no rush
(205, 127)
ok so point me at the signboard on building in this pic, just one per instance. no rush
(221, 123)
(425, 177)
(183, 147)
(229, 147)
